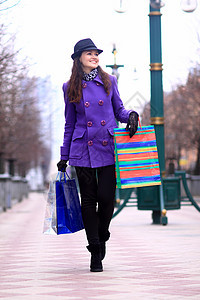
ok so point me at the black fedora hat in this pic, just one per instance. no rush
(83, 45)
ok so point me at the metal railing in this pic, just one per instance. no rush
(128, 197)
(12, 189)
(188, 200)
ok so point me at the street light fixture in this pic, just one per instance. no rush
(188, 5)
(121, 8)
(156, 4)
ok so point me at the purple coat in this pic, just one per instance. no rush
(88, 135)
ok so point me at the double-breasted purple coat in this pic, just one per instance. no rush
(88, 134)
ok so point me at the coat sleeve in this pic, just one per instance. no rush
(70, 119)
(121, 114)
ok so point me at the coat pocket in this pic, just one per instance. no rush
(111, 138)
(78, 143)
(111, 131)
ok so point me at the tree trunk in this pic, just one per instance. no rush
(179, 157)
(197, 166)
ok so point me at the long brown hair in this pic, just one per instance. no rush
(74, 89)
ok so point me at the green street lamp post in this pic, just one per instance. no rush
(152, 197)
(157, 112)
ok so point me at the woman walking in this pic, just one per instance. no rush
(92, 106)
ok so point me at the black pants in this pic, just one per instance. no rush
(97, 189)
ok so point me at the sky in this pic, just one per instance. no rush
(47, 30)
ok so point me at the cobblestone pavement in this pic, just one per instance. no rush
(143, 261)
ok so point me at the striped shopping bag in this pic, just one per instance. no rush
(136, 158)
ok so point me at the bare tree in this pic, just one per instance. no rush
(182, 119)
(21, 137)
(191, 92)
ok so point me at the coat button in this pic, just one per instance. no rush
(84, 84)
(89, 124)
(100, 102)
(90, 143)
(87, 104)
(103, 122)
(105, 143)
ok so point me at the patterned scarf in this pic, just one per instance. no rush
(91, 75)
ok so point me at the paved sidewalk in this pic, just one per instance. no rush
(143, 261)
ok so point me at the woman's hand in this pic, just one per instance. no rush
(62, 165)
(132, 124)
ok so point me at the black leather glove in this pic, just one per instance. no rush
(62, 165)
(132, 124)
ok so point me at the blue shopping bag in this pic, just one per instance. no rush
(68, 208)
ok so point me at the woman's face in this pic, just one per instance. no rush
(89, 60)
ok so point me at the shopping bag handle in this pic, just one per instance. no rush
(61, 175)
(139, 122)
